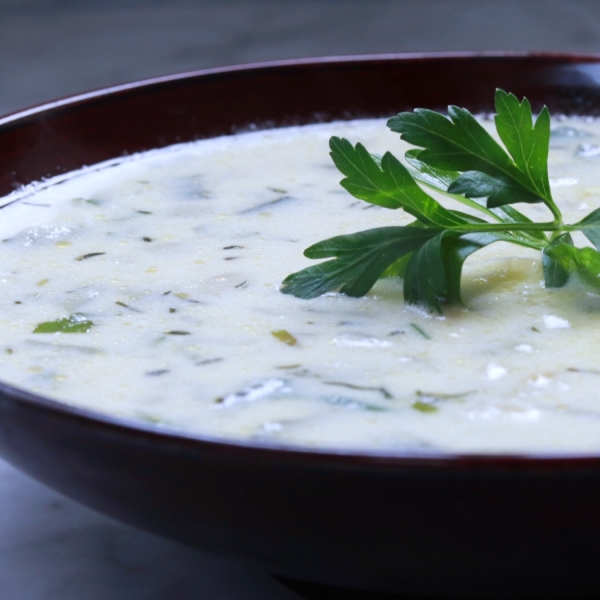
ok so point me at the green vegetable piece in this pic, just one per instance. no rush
(73, 324)
(424, 407)
(285, 336)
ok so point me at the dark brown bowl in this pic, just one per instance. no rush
(435, 525)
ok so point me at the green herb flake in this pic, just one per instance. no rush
(208, 361)
(420, 331)
(90, 255)
(72, 324)
(365, 388)
(456, 157)
(424, 407)
(92, 201)
(284, 336)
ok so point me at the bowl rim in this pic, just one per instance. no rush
(541, 462)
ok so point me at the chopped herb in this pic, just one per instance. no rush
(177, 332)
(143, 212)
(285, 336)
(18, 302)
(420, 331)
(9, 351)
(231, 258)
(232, 247)
(397, 332)
(264, 205)
(534, 328)
(424, 407)
(241, 285)
(72, 324)
(172, 310)
(147, 239)
(588, 371)
(90, 255)
(441, 395)
(208, 361)
(352, 386)
(127, 306)
(457, 157)
(287, 367)
(257, 391)
(157, 372)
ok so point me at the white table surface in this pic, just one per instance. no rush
(54, 549)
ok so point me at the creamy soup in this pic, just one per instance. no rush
(148, 289)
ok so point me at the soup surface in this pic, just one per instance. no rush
(149, 289)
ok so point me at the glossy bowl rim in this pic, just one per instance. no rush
(542, 462)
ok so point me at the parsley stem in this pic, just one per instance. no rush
(555, 211)
(484, 227)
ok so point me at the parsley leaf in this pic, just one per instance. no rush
(487, 170)
(387, 183)
(360, 260)
(590, 227)
(456, 157)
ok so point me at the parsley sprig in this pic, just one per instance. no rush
(456, 156)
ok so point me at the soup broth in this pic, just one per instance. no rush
(148, 289)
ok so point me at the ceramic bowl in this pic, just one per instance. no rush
(450, 525)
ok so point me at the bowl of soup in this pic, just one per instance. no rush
(153, 370)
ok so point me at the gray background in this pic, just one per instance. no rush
(51, 548)
(52, 48)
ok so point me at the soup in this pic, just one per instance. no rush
(148, 289)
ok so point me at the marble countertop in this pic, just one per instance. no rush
(54, 549)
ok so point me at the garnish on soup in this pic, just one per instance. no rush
(456, 157)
